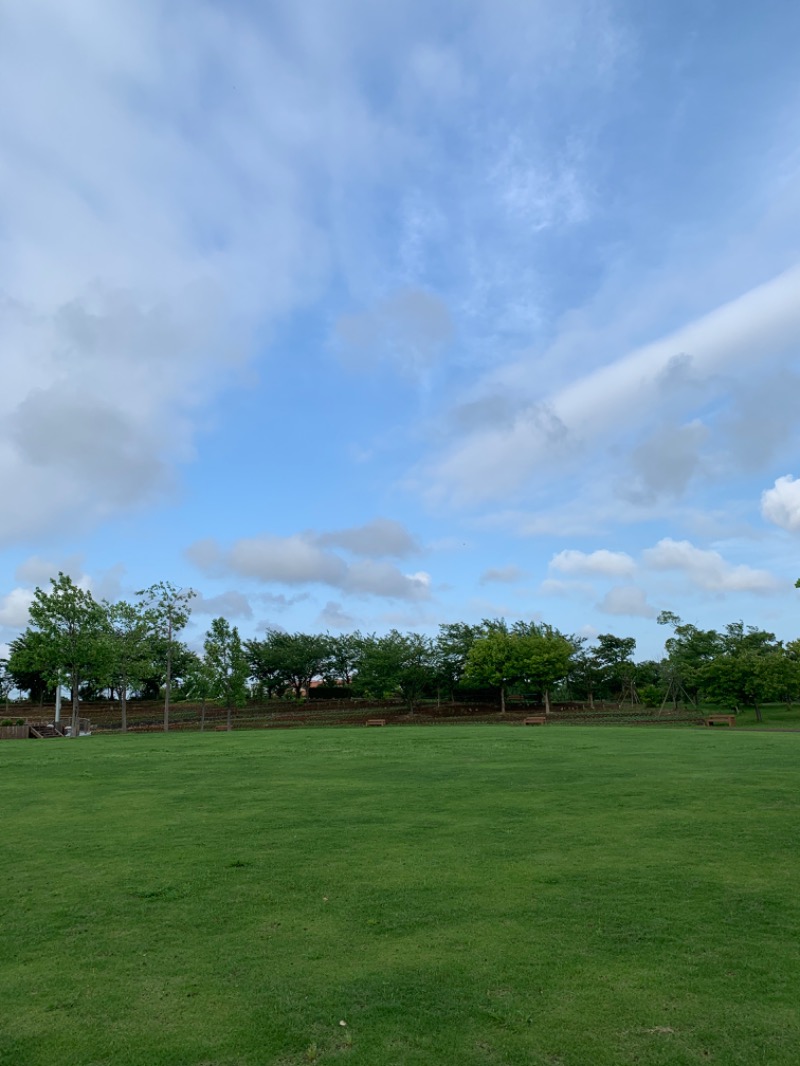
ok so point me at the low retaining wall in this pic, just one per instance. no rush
(14, 732)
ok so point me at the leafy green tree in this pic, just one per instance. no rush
(71, 628)
(227, 664)
(494, 659)
(689, 651)
(265, 666)
(6, 682)
(129, 655)
(397, 664)
(199, 682)
(298, 657)
(649, 678)
(452, 647)
(168, 609)
(343, 657)
(544, 658)
(791, 686)
(584, 675)
(614, 658)
(531, 653)
(747, 670)
(25, 652)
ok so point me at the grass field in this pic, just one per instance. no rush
(564, 897)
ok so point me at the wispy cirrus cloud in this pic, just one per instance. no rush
(512, 454)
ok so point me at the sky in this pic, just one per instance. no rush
(355, 315)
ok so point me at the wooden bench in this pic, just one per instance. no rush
(720, 719)
(375, 721)
(536, 719)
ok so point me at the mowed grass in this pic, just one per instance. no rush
(475, 895)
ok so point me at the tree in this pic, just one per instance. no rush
(25, 652)
(227, 664)
(584, 674)
(7, 682)
(494, 658)
(689, 651)
(70, 625)
(199, 682)
(452, 648)
(544, 657)
(397, 664)
(128, 628)
(168, 611)
(614, 658)
(529, 652)
(297, 658)
(265, 666)
(343, 657)
(747, 669)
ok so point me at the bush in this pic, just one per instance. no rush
(6, 721)
(651, 695)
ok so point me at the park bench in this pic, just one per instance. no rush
(720, 719)
(536, 719)
(375, 721)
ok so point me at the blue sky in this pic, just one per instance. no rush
(363, 315)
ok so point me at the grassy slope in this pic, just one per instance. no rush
(462, 896)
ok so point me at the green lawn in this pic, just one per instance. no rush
(557, 896)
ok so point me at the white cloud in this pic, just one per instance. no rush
(627, 600)
(781, 504)
(299, 560)
(103, 584)
(292, 560)
(602, 563)
(231, 604)
(37, 571)
(706, 569)
(376, 539)
(14, 607)
(147, 237)
(333, 616)
(497, 459)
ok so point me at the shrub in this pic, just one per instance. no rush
(651, 695)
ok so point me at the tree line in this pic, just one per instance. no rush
(133, 649)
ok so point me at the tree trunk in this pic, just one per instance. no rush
(203, 715)
(75, 707)
(591, 700)
(502, 699)
(547, 701)
(758, 711)
(123, 702)
(229, 718)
